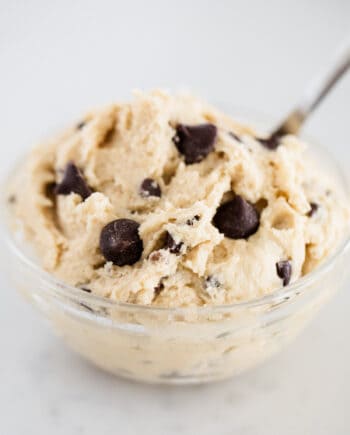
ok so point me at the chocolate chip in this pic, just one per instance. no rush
(73, 181)
(191, 221)
(86, 307)
(284, 271)
(237, 219)
(195, 142)
(271, 143)
(81, 125)
(158, 288)
(313, 209)
(150, 187)
(50, 190)
(212, 281)
(261, 204)
(234, 136)
(120, 242)
(170, 244)
(85, 289)
(155, 256)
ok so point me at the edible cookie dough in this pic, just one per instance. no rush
(167, 201)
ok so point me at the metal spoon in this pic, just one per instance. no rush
(314, 94)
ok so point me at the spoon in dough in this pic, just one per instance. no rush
(314, 94)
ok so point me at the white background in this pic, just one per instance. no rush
(59, 58)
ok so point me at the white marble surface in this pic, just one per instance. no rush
(58, 58)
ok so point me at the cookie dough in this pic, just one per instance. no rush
(167, 201)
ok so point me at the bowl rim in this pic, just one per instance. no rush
(278, 295)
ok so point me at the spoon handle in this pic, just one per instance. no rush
(316, 91)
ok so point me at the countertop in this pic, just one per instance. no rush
(58, 59)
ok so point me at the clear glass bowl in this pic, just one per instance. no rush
(175, 346)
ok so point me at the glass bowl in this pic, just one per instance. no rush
(177, 345)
